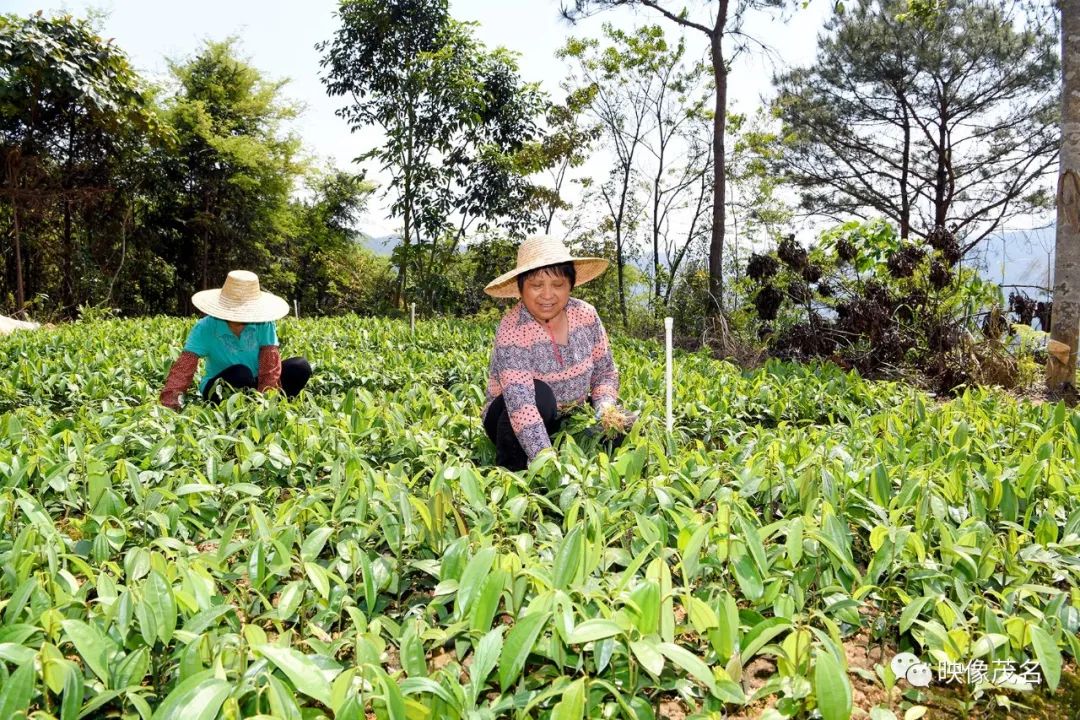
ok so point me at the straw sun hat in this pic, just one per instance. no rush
(536, 252)
(241, 300)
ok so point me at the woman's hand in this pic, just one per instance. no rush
(179, 379)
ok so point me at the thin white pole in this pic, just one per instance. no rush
(412, 318)
(296, 309)
(668, 322)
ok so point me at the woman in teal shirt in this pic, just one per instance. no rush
(238, 340)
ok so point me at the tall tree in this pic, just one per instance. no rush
(323, 237)
(947, 119)
(725, 22)
(225, 186)
(1065, 323)
(455, 115)
(758, 213)
(70, 107)
(622, 85)
(566, 143)
(649, 102)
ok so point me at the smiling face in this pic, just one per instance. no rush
(545, 293)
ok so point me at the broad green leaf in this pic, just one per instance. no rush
(412, 653)
(395, 701)
(911, 612)
(314, 543)
(158, 598)
(702, 617)
(16, 654)
(761, 634)
(1048, 654)
(197, 698)
(476, 572)
(691, 556)
(752, 538)
(487, 603)
(572, 705)
(282, 700)
(94, 646)
(831, 687)
(73, 695)
(203, 621)
(691, 663)
(568, 558)
(416, 686)
(595, 629)
(487, 657)
(16, 692)
(747, 576)
(794, 541)
(369, 581)
(319, 578)
(519, 643)
(305, 675)
(290, 599)
(647, 652)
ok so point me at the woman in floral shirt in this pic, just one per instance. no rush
(551, 352)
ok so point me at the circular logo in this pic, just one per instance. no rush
(911, 668)
(919, 675)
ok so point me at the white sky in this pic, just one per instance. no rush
(278, 37)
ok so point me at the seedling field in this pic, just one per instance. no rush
(352, 554)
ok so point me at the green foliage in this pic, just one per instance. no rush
(327, 270)
(223, 199)
(120, 195)
(883, 121)
(456, 116)
(354, 549)
(869, 299)
(73, 116)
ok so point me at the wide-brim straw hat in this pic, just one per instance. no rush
(241, 300)
(539, 251)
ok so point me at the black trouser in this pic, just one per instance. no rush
(295, 373)
(508, 451)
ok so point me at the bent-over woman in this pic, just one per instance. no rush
(239, 343)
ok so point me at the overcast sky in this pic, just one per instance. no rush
(278, 37)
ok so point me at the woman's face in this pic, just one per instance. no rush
(545, 294)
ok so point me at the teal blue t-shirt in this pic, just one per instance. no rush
(212, 340)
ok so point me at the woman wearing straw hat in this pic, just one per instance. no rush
(551, 352)
(238, 340)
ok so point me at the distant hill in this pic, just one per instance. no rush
(382, 245)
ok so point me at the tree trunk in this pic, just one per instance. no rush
(716, 245)
(206, 243)
(941, 205)
(905, 200)
(657, 179)
(1065, 324)
(67, 288)
(20, 293)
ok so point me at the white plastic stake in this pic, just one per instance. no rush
(412, 318)
(668, 322)
(296, 309)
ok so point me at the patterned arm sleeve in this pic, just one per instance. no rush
(604, 382)
(269, 368)
(519, 393)
(179, 379)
